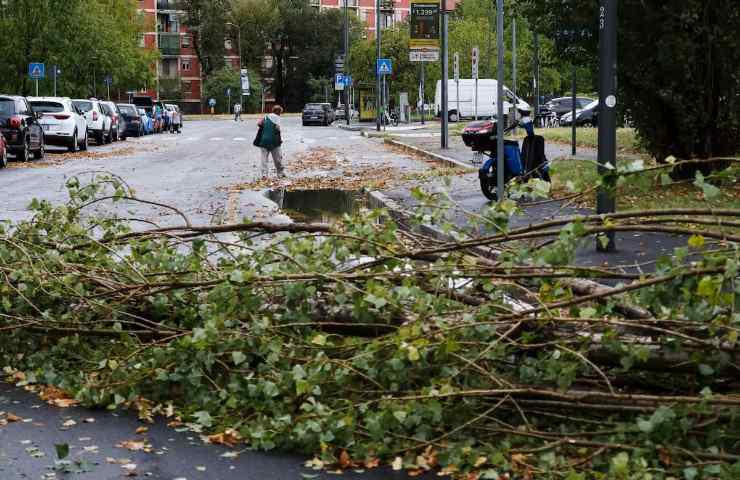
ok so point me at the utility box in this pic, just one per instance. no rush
(403, 104)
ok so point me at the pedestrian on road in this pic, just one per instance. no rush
(269, 139)
(237, 112)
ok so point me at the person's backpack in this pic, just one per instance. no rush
(268, 135)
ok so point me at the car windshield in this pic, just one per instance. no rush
(591, 105)
(84, 106)
(314, 106)
(127, 110)
(7, 107)
(47, 107)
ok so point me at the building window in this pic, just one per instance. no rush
(187, 86)
(186, 41)
(142, 40)
(187, 64)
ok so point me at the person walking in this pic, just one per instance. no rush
(237, 112)
(269, 140)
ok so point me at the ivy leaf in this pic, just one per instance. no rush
(413, 354)
(319, 340)
(706, 370)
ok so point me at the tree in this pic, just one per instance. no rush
(679, 69)
(217, 84)
(207, 20)
(86, 39)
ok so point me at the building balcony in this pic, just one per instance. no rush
(169, 44)
(169, 5)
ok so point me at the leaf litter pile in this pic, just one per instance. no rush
(363, 344)
(327, 169)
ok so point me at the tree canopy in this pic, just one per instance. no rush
(87, 39)
(679, 68)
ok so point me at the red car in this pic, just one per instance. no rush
(3, 152)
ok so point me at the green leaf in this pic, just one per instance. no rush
(203, 418)
(319, 340)
(400, 415)
(62, 450)
(706, 370)
(696, 241)
(690, 473)
(413, 354)
(238, 358)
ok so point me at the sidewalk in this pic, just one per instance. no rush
(635, 251)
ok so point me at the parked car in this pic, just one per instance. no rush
(3, 152)
(63, 123)
(20, 126)
(585, 117)
(118, 128)
(318, 113)
(132, 120)
(98, 123)
(147, 124)
(564, 105)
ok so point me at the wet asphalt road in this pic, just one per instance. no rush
(192, 172)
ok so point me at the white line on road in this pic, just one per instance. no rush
(240, 139)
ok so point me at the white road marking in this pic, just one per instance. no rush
(216, 139)
(240, 139)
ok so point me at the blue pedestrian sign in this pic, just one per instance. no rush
(212, 102)
(37, 71)
(385, 66)
(108, 80)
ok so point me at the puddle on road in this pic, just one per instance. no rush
(325, 206)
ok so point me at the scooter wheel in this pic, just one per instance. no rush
(488, 186)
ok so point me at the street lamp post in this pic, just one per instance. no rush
(444, 113)
(605, 199)
(239, 52)
(500, 100)
(378, 86)
(347, 109)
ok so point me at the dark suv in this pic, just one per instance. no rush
(21, 128)
(318, 113)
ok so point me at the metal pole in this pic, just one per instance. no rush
(422, 92)
(385, 123)
(347, 109)
(445, 80)
(573, 111)
(55, 80)
(378, 86)
(513, 68)
(108, 85)
(605, 197)
(500, 100)
(536, 76)
(457, 85)
(37, 87)
(239, 48)
(476, 98)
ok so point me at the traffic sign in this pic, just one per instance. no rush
(245, 82)
(339, 81)
(384, 66)
(476, 57)
(37, 71)
(456, 68)
(108, 80)
(228, 92)
(339, 63)
(426, 55)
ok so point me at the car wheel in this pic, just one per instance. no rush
(99, 137)
(453, 117)
(83, 145)
(74, 144)
(4, 158)
(39, 154)
(109, 137)
(25, 155)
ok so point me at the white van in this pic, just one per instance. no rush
(487, 95)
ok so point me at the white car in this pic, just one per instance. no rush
(98, 123)
(62, 121)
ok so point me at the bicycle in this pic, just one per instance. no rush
(390, 119)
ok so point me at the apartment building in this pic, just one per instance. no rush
(177, 76)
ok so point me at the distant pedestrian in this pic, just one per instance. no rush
(269, 140)
(237, 112)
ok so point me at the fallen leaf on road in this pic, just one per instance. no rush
(141, 430)
(13, 418)
(69, 423)
(135, 446)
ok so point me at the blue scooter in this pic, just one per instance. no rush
(525, 163)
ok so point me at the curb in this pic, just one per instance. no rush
(351, 128)
(430, 155)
